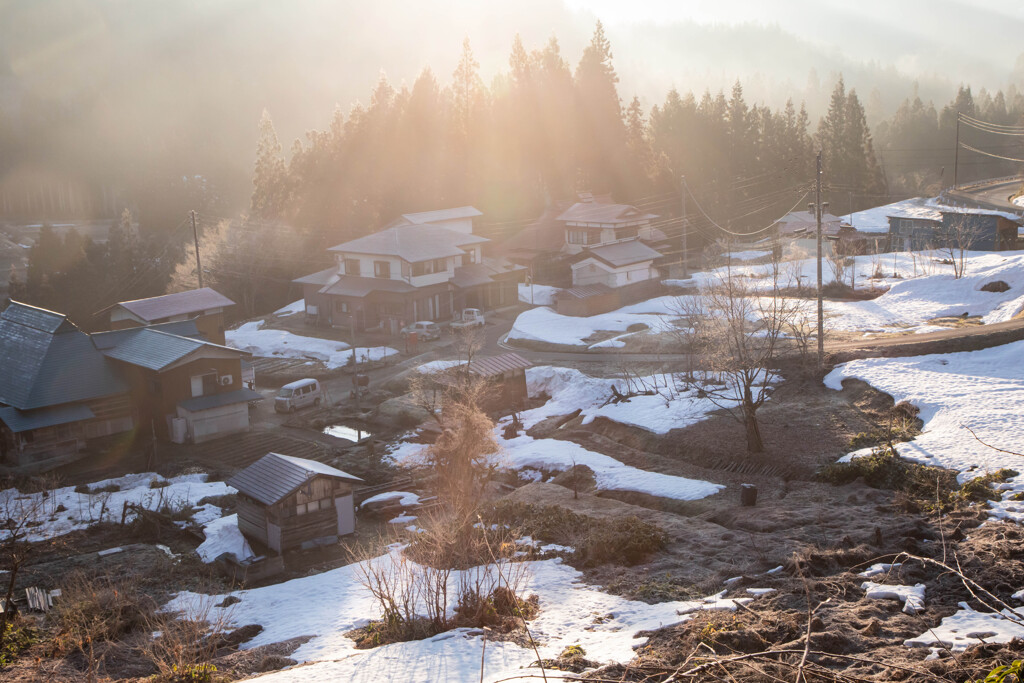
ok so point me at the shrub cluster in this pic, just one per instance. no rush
(625, 541)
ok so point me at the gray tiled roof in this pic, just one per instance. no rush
(322, 277)
(225, 398)
(24, 421)
(179, 303)
(413, 243)
(46, 361)
(274, 476)
(622, 253)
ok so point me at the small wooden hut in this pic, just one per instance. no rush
(286, 502)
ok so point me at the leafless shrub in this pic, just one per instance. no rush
(186, 640)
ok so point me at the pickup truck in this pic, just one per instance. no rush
(471, 318)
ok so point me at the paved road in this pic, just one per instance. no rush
(993, 196)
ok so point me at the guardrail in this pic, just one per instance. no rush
(989, 181)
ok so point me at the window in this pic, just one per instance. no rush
(438, 265)
(351, 266)
(582, 237)
(340, 306)
(623, 233)
(382, 269)
(204, 385)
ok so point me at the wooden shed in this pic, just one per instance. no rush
(586, 300)
(286, 502)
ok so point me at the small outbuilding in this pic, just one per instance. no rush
(506, 377)
(286, 502)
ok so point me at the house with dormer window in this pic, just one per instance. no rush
(422, 266)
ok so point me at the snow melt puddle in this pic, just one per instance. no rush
(328, 605)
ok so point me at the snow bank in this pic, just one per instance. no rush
(912, 597)
(291, 309)
(673, 407)
(545, 325)
(538, 295)
(223, 536)
(63, 510)
(609, 473)
(967, 627)
(403, 498)
(983, 390)
(334, 354)
(327, 605)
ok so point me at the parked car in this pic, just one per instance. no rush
(297, 394)
(470, 318)
(424, 329)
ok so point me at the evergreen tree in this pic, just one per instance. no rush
(270, 194)
(601, 141)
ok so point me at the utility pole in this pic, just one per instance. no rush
(682, 194)
(195, 238)
(956, 152)
(821, 306)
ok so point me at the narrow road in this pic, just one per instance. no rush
(994, 196)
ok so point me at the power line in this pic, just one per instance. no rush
(990, 154)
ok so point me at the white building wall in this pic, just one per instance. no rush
(204, 425)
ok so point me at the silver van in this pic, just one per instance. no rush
(297, 394)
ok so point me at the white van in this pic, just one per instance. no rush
(297, 394)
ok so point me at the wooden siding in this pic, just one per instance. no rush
(252, 519)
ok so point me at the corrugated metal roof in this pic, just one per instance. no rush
(585, 291)
(274, 476)
(23, 421)
(622, 253)
(226, 398)
(179, 303)
(40, 368)
(413, 243)
(488, 366)
(476, 274)
(592, 212)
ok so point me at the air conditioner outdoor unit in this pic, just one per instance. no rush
(226, 380)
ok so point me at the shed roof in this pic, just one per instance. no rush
(622, 253)
(489, 366)
(179, 303)
(274, 477)
(46, 361)
(593, 212)
(483, 273)
(877, 219)
(27, 420)
(412, 243)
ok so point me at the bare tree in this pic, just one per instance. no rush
(737, 334)
(957, 240)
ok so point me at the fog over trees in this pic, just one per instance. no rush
(163, 108)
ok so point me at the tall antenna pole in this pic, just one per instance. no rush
(195, 238)
(682, 193)
(821, 306)
(956, 153)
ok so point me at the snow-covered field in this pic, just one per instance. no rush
(291, 309)
(538, 295)
(671, 408)
(545, 325)
(254, 338)
(63, 510)
(327, 605)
